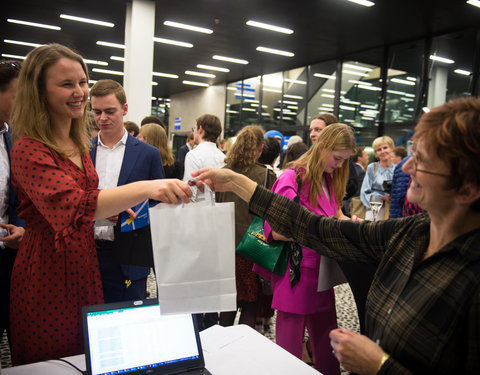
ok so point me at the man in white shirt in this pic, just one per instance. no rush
(125, 258)
(205, 133)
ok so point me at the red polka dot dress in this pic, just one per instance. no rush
(56, 269)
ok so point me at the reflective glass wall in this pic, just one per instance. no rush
(378, 92)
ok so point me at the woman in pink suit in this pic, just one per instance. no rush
(323, 174)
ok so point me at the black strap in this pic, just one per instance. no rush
(294, 249)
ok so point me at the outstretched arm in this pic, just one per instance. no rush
(114, 200)
(225, 180)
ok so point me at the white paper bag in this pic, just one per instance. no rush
(194, 256)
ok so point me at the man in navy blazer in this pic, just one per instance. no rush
(124, 258)
(11, 231)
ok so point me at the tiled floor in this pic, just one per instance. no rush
(346, 313)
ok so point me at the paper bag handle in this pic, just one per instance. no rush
(209, 195)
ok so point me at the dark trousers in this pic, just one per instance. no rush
(7, 258)
(116, 285)
(359, 277)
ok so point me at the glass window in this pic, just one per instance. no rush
(251, 101)
(402, 104)
(233, 108)
(294, 94)
(321, 91)
(359, 99)
(450, 68)
(271, 100)
(161, 109)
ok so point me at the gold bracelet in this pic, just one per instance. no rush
(385, 356)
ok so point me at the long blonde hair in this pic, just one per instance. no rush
(244, 152)
(30, 114)
(311, 165)
(156, 136)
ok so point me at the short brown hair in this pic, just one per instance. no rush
(358, 154)
(328, 118)
(451, 132)
(106, 87)
(131, 127)
(400, 151)
(9, 69)
(211, 125)
(152, 120)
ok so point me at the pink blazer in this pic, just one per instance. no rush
(303, 298)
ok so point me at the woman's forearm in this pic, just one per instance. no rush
(243, 187)
(115, 200)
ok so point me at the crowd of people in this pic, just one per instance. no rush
(70, 175)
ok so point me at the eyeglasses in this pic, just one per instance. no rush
(415, 162)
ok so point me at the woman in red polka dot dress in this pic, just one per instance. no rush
(56, 269)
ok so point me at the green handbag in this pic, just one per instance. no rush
(272, 256)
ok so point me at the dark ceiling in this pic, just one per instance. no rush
(323, 30)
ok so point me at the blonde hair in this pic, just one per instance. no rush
(35, 122)
(244, 152)
(156, 136)
(311, 165)
(382, 140)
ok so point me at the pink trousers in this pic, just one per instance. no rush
(290, 330)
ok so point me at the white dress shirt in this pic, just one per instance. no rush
(108, 165)
(205, 155)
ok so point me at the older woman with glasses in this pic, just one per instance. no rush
(423, 308)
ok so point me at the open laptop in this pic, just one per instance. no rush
(133, 338)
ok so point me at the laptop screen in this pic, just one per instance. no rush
(133, 338)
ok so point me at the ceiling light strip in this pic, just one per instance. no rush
(275, 51)
(193, 83)
(210, 67)
(326, 76)
(229, 59)
(117, 58)
(28, 44)
(475, 3)
(13, 56)
(95, 62)
(106, 71)
(173, 42)
(108, 44)
(441, 59)
(365, 3)
(358, 67)
(462, 72)
(86, 20)
(403, 81)
(199, 74)
(165, 75)
(267, 26)
(295, 81)
(34, 24)
(188, 27)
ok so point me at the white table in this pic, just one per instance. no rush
(236, 350)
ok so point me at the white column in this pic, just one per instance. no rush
(138, 65)
(437, 88)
